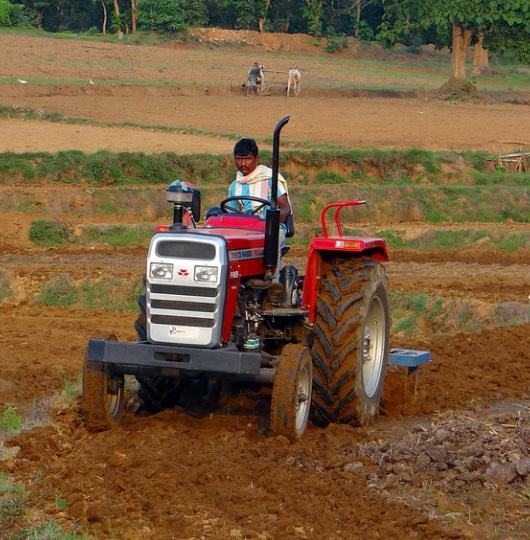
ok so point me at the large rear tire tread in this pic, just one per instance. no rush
(291, 393)
(351, 290)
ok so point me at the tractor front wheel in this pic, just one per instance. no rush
(351, 342)
(103, 398)
(291, 392)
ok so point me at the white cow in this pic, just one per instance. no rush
(255, 78)
(293, 83)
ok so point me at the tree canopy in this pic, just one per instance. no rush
(500, 22)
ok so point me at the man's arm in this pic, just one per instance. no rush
(284, 206)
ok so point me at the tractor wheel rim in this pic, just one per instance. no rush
(303, 397)
(113, 404)
(373, 346)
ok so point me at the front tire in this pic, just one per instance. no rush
(351, 342)
(103, 397)
(291, 392)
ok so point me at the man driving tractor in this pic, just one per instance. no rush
(255, 180)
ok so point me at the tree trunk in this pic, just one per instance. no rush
(480, 54)
(117, 13)
(104, 25)
(359, 6)
(358, 18)
(461, 40)
(38, 19)
(134, 16)
(261, 21)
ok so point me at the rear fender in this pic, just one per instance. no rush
(323, 250)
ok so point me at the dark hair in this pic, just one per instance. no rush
(246, 146)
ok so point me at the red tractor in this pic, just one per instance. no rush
(212, 318)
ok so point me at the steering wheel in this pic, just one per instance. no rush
(240, 198)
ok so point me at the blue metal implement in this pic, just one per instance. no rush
(408, 358)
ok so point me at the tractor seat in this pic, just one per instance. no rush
(289, 224)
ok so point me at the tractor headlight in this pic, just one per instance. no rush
(161, 270)
(206, 274)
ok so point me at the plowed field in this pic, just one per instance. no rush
(448, 460)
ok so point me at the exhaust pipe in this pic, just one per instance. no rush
(272, 224)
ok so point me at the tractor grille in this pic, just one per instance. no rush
(182, 321)
(181, 310)
(182, 306)
(186, 291)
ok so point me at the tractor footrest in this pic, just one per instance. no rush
(408, 358)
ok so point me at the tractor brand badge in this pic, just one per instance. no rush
(240, 254)
(186, 332)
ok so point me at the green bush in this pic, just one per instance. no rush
(5, 289)
(336, 43)
(5, 13)
(59, 292)
(10, 421)
(328, 177)
(49, 233)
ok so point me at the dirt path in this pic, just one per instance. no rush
(344, 122)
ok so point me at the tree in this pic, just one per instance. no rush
(505, 38)
(465, 20)
(105, 15)
(116, 18)
(134, 17)
(313, 13)
(480, 54)
(358, 6)
(160, 15)
(6, 9)
(263, 15)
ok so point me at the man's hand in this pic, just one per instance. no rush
(285, 207)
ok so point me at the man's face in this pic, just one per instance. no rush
(246, 163)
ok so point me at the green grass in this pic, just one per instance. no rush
(116, 235)
(46, 233)
(72, 389)
(53, 233)
(5, 289)
(328, 177)
(58, 292)
(379, 167)
(10, 421)
(453, 239)
(13, 501)
(414, 313)
(109, 293)
(369, 167)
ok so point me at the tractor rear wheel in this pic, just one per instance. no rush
(351, 342)
(103, 398)
(291, 392)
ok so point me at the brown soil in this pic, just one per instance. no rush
(449, 460)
